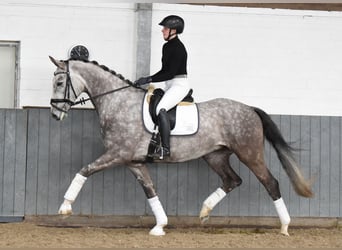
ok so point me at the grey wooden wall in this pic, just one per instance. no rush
(13, 128)
(39, 157)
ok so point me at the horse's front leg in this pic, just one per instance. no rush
(104, 161)
(142, 175)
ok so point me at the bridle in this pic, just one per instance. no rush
(69, 88)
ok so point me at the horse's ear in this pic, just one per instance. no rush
(58, 63)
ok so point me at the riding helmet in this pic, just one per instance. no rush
(173, 22)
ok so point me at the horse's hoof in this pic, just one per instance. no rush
(204, 219)
(157, 231)
(65, 209)
(204, 214)
(283, 230)
(65, 212)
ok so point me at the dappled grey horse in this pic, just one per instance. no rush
(226, 127)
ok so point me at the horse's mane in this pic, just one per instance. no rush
(105, 68)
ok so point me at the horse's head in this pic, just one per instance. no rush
(64, 93)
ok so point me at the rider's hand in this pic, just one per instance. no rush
(143, 81)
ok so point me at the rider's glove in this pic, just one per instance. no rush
(143, 81)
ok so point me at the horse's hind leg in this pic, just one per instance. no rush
(143, 177)
(256, 164)
(219, 162)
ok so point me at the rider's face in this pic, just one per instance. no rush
(166, 32)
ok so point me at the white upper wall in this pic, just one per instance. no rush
(284, 61)
(43, 29)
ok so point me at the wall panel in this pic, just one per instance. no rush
(13, 127)
(40, 156)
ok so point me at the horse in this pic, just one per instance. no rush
(226, 127)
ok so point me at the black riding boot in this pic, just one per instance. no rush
(164, 130)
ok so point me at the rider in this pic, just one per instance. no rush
(174, 74)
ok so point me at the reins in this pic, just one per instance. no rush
(82, 100)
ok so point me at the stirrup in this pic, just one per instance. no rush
(160, 153)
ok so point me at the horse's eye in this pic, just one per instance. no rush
(59, 84)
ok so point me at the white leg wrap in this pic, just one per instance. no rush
(159, 213)
(75, 187)
(214, 198)
(282, 212)
(157, 209)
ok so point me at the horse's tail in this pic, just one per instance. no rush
(285, 155)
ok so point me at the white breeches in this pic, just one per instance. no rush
(175, 90)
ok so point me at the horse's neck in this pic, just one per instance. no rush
(98, 81)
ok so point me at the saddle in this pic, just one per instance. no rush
(184, 118)
(155, 99)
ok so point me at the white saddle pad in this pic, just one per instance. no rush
(187, 121)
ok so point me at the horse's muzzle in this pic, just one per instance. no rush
(58, 115)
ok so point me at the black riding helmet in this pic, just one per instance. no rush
(173, 22)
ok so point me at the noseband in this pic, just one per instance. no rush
(69, 88)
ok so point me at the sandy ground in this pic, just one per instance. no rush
(27, 234)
